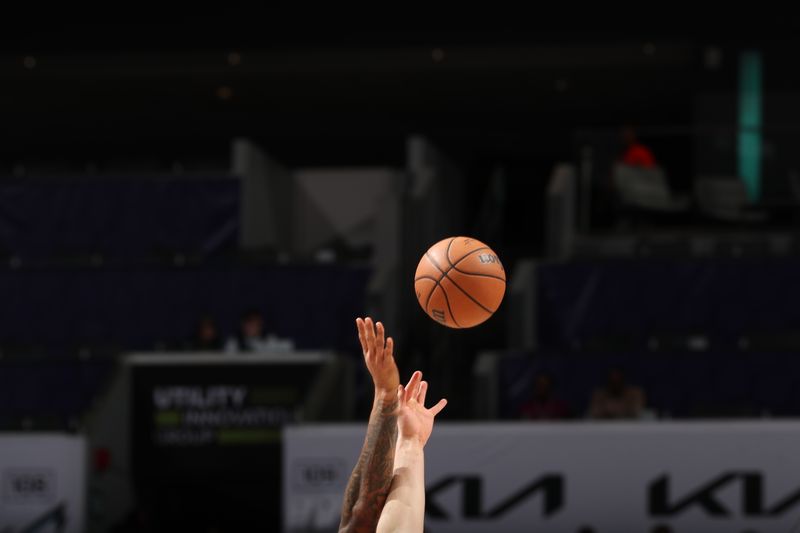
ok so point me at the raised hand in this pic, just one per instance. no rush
(371, 479)
(414, 421)
(378, 355)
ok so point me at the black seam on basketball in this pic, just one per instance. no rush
(440, 269)
(444, 275)
(447, 252)
(465, 255)
(446, 299)
(469, 296)
(430, 294)
(428, 303)
(476, 274)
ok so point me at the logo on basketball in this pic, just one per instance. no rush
(463, 276)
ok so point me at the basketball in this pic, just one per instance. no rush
(460, 282)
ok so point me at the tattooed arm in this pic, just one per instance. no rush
(372, 476)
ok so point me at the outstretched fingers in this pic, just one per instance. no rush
(362, 334)
(436, 409)
(411, 388)
(369, 335)
(389, 351)
(421, 391)
(379, 341)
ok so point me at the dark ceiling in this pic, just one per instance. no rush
(42, 27)
(320, 88)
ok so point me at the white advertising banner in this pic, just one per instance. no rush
(42, 483)
(695, 477)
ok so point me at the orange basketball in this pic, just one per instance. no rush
(460, 282)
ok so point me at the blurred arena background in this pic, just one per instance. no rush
(195, 208)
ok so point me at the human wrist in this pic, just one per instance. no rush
(384, 399)
(409, 443)
(383, 393)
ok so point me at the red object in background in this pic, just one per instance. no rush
(638, 155)
(101, 459)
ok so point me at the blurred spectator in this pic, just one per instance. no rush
(251, 337)
(636, 154)
(617, 399)
(661, 528)
(544, 405)
(207, 336)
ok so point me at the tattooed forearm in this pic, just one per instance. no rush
(372, 476)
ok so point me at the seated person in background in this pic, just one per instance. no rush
(636, 154)
(251, 337)
(617, 399)
(543, 404)
(206, 336)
